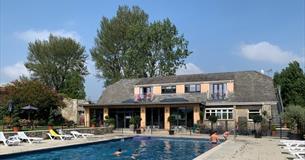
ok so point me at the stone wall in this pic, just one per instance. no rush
(241, 111)
(220, 125)
(43, 133)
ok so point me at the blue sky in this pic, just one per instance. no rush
(223, 35)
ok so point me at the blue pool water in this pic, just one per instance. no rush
(133, 148)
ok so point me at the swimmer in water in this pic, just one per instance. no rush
(118, 152)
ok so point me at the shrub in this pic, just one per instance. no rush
(171, 119)
(15, 119)
(257, 119)
(135, 120)
(24, 91)
(51, 118)
(109, 121)
(93, 119)
(213, 119)
(295, 117)
(25, 122)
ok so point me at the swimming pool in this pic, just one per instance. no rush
(148, 148)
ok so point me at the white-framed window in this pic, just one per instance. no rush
(253, 112)
(221, 113)
(191, 88)
(218, 91)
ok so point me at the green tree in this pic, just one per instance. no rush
(59, 63)
(74, 86)
(31, 92)
(292, 82)
(128, 46)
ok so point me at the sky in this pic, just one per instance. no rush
(223, 35)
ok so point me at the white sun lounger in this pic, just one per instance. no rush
(11, 141)
(23, 136)
(300, 155)
(294, 144)
(77, 134)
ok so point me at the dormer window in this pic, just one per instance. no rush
(168, 89)
(192, 88)
(145, 94)
(146, 90)
(218, 91)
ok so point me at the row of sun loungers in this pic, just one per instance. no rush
(295, 148)
(21, 136)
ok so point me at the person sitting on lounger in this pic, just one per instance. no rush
(118, 152)
(214, 139)
(226, 135)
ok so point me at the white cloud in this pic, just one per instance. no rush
(13, 72)
(190, 68)
(32, 35)
(267, 52)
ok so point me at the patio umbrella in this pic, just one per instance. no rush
(29, 108)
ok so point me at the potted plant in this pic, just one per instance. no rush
(15, 121)
(273, 130)
(171, 119)
(201, 116)
(93, 121)
(109, 122)
(213, 119)
(257, 119)
(132, 122)
(137, 123)
(51, 119)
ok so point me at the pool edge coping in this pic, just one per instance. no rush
(60, 147)
(209, 152)
(5, 155)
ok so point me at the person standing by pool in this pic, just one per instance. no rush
(214, 139)
(226, 135)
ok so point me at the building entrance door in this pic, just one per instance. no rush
(155, 118)
(122, 116)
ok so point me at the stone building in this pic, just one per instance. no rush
(74, 110)
(228, 96)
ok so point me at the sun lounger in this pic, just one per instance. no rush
(52, 134)
(295, 148)
(77, 134)
(12, 140)
(299, 155)
(288, 144)
(23, 136)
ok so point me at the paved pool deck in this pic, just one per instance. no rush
(246, 148)
(241, 148)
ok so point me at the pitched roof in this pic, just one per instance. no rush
(188, 78)
(249, 86)
(119, 92)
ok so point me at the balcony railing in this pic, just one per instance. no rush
(218, 96)
(148, 97)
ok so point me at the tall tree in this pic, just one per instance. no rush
(128, 46)
(292, 82)
(59, 63)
